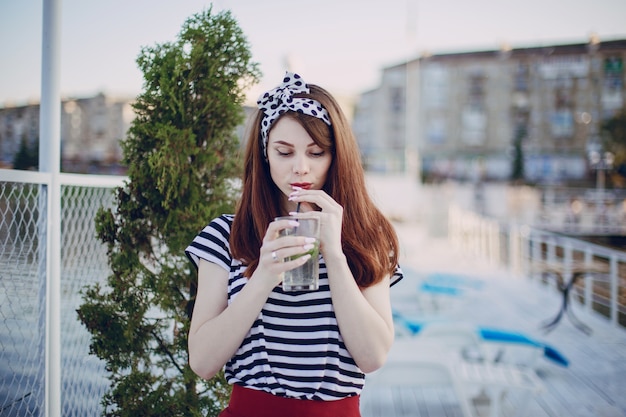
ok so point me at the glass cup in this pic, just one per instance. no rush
(304, 277)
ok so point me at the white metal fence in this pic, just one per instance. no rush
(25, 324)
(532, 252)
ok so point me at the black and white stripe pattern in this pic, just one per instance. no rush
(294, 349)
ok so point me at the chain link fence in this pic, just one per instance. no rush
(23, 220)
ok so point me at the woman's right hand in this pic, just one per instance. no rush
(276, 249)
(219, 327)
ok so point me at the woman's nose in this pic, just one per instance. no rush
(300, 165)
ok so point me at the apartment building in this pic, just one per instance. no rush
(91, 131)
(465, 115)
(17, 124)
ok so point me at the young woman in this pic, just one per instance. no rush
(295, 353)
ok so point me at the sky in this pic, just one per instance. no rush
(342, 45)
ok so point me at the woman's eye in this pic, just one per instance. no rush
(288, 152)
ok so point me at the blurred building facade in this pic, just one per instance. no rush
(91, 131)
(466, 115)
(17, 124)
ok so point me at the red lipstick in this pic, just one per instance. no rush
(303, 185)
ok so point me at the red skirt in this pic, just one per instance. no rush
(246, 402)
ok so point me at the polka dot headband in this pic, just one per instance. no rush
(275, 102)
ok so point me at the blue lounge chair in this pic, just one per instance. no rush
(491, 335)
(506, 336)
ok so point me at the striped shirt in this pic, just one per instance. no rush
(294, 348)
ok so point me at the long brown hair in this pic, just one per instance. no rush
(369, 240)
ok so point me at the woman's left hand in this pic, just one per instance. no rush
(331, 216)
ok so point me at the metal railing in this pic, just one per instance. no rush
(531, 253)
(25, 322)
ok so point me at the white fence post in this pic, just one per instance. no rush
(588, 282)
(514, 258)
(614, 290)
(50, 162)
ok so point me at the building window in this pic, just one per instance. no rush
(476, 92)
(562, 98)
(473, 126)
(613, 73)
(436, 130)
(396, 99)
(562, 123)
(522, 75)
(435, 86)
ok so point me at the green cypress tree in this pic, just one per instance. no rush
(614, 140)
(21, 160)
(517, 169)
(182, 157)
(27, 157)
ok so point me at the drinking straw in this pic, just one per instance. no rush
(297, 211)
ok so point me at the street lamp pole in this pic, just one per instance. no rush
(601, 162)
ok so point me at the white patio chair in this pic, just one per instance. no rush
(436, 360)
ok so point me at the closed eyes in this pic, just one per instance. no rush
(284, 152)
(312, 154)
